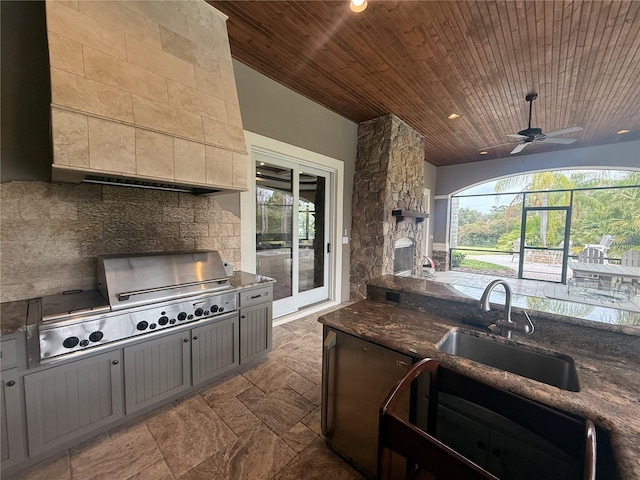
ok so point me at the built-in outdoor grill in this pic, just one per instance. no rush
(137, 295)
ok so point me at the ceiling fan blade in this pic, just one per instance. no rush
(517, 135)
(562, 131)
(563, 141)
(519, 148)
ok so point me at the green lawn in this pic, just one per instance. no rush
(478, 250)
(480, 265)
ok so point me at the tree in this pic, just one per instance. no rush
(540, 183)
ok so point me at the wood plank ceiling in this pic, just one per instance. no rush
(423, 60)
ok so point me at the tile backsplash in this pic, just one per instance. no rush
(52, 233)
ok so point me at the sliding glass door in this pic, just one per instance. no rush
(292, 231)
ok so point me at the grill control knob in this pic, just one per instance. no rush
(190, 317)
(142, 325)
(96, 336)
(182, 316)
(152, 326)
(163, 320)
(84, 343)
(214, 308)
(221, 309)
(199, 312)
(70, 342)
(206, 312)
(172, 321)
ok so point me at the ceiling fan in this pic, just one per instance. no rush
(530, 135)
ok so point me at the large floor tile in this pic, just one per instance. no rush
(299, 437)
(274, 376)
(317, 462)
(119, 456)
(189, 433)
(225, 390)
(157, 471)
(236, 415)
(259, 454)
(280, 409)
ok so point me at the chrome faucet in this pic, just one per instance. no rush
(505, 326)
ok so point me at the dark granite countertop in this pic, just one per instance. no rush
(600, 317)
(607, 363)
(13, 315)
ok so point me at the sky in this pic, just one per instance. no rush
(484, 204)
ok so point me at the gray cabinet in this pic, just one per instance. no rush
(156, 369)
(522, 458)
(500, 445)
(256, 323)
(12, 440)
(67, 401)
(255, 332)
(215, 349)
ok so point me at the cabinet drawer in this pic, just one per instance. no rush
(256, 296)
(8, 353)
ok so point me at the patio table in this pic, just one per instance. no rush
(605, 269)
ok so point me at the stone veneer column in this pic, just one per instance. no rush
(389, 175)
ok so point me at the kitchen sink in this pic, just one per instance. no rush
(543, 366)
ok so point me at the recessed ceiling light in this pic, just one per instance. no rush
(358, 5)
(453, 116)
(258, 173)
(483, 152)
(261, 164)
(622, 132)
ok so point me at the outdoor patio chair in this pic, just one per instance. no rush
(605, 244)
(590, 255)
(516, 251)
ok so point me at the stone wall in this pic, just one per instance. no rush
(389, 175)
(51, 233)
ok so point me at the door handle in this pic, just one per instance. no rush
(329, 343)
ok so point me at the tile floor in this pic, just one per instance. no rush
(261, 424)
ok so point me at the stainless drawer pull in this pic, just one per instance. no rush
(11, 383)
(400, 363)
(115, 362)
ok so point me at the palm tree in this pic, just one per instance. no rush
(540, 183)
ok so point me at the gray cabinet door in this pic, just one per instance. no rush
(12, 440)
(255, 332)
(466, 436)
(511, 458)
(156, 369)
(215, 349)
(70, 400)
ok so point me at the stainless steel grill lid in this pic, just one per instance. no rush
(132, 280)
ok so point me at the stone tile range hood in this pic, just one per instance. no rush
(143, 93)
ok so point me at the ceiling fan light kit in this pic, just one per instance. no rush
(534, 134)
